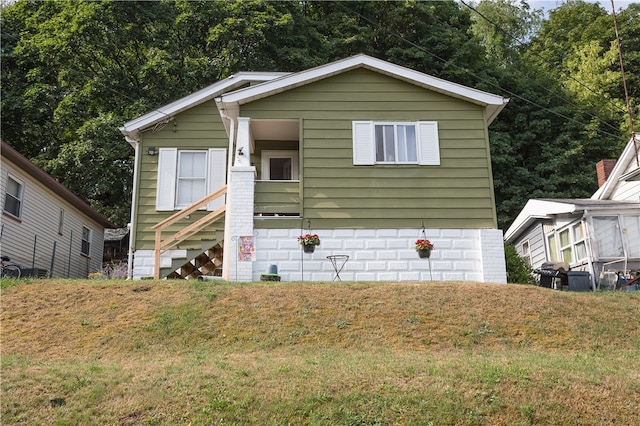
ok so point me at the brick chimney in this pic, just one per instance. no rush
(603, 169)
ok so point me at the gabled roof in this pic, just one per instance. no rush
(546, 208)
(56, 187)
(131, 129)
(493, 103)
(626, 168)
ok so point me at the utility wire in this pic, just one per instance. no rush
(545, 88)
(510, 93)
(624, 82)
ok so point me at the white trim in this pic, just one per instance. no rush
(265, 172)
(20, 197)
(621, 168)
(364, 144)
(131, 129)
(493, 103)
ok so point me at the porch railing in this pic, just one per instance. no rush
(185, 233)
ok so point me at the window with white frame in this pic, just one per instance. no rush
(191, 177)
(526, 252)
(86, 241)
(553, 247)
(185, 176)
(13, 197)
(572, 243)
(607, 236)
(279, 165)
(395, 143)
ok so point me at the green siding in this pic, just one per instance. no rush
(197, 128)
(337, 194)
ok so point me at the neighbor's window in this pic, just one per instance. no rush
(553, 248)
(86, 241)
(395, 143)
(13, 197)
(61, 222)
(631, 233)
(607, 236)
(526, 252)
(572, 243)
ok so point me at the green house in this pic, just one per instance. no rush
(368, 155)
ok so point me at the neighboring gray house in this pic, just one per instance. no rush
(600, 234)
(44, 227)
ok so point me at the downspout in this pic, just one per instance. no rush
(587, 237)
(134, 196)
(227, 223)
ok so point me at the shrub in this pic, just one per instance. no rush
(517, 269)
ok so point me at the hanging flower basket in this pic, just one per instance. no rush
(309, 242)
(424, 253)
(424, 247)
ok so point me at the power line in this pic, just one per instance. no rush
(510, 93)
(570, 77)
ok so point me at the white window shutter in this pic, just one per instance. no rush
(217, 175)
(428, 143)
(363, 145)
(166, 188)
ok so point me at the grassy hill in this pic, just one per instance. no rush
(441, 353)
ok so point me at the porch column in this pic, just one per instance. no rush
(244, 142)
(239, 218)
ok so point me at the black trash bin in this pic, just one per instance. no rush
(579, 281)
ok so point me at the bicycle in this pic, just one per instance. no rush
(8, 269)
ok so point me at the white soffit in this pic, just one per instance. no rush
(535, 209)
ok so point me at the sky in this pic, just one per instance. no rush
(548, 5)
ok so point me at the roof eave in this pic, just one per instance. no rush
(133, 128)
(56, 187)
(493, 103)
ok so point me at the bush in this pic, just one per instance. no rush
(517, 269)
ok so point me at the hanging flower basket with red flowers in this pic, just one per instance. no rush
(424, 247)
(309, 242)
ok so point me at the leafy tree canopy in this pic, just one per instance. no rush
(75, 71)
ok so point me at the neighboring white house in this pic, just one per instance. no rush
(600, 234)
(44, 227)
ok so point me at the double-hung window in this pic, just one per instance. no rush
(395, 143)
(191, 177)
(569, 243)
(85, 247)
(185, 176)
(13, 197)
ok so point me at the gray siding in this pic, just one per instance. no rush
(34, 240)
